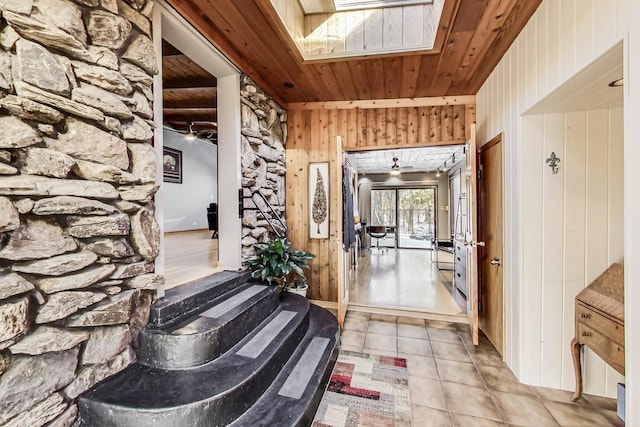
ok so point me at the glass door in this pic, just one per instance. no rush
(416, 217)
(409, 215)
(383, 212)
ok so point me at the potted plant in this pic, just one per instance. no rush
(276, 261)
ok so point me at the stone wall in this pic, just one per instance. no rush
(264, 133)
(77, 178)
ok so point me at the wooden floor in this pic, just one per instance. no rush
(189, 255)
(405, 279)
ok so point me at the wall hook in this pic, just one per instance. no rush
(553, 161)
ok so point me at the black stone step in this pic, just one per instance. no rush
(204, 336)
(213, 394)
(188, 299)
(294, 396)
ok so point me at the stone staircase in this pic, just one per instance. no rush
(222, 351)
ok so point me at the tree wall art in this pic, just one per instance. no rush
(319, 200)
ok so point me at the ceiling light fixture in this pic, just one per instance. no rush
(190, 135)
(444, 168)
(438, 173)
(395, 169)
(617, 83)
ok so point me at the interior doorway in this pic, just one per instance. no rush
(199, 149)
(412, 203)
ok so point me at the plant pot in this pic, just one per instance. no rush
(300, 291)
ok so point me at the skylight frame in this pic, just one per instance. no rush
(342, 5)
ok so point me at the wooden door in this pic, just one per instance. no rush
(490, 229)
(343, 258)
(471, 234)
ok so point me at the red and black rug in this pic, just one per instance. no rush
(366, 390)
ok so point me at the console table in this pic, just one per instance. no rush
(599, 322)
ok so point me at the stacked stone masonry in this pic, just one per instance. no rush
(264, 134)
(78, 234)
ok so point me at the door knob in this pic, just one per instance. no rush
(495, 261)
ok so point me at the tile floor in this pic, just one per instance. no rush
(453, 383)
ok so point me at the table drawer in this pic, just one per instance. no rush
(609, 351)
(605, 326)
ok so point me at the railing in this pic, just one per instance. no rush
(279, 229)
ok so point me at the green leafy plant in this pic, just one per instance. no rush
(276, 260)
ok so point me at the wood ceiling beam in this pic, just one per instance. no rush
(190, 103)
(190, 83)
(188, 117)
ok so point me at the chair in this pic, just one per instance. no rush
(438, 245)
(378, 232)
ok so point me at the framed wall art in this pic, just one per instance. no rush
(172, 165)
(319, 200)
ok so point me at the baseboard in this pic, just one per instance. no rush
(331, 305)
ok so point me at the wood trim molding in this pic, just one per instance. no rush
(384, 103)
(495, 140)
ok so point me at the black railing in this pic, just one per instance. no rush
(279, 228)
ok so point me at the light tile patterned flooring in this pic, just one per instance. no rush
(453, 383)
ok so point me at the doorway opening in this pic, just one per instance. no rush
(190, 168)
(413, 205)
(199, 150)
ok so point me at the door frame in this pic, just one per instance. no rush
(482, 261)
(170, 25)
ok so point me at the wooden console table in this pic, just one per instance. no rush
(599, 322)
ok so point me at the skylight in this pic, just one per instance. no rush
(325, 6)
(352, 28)
(372, 4)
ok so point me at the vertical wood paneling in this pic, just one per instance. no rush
(389, 126)
(584, 32)
(312, 138)
(423, 126)
(532, 246)
(354, 26)
(413, 23)
(434, 124)
(597, 232)
(392, 27)
(372, 30)
(542, 34)
(568, 37)
(575, 213)
(562, 37)
(553, 37)
(552, 254)
(616, 211)
(336, 24)
(413, 125)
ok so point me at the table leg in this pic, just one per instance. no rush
(575, 351)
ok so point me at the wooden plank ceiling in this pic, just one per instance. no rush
(189, 95)
(472, 37)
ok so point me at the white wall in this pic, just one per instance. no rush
(186, 203)
(575, 233)
(562, 38)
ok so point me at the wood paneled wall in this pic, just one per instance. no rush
(312, 135)
(546, 222)
(575, 231)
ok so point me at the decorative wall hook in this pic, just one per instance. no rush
(553, 161)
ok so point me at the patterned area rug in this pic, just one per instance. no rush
(366, 390)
